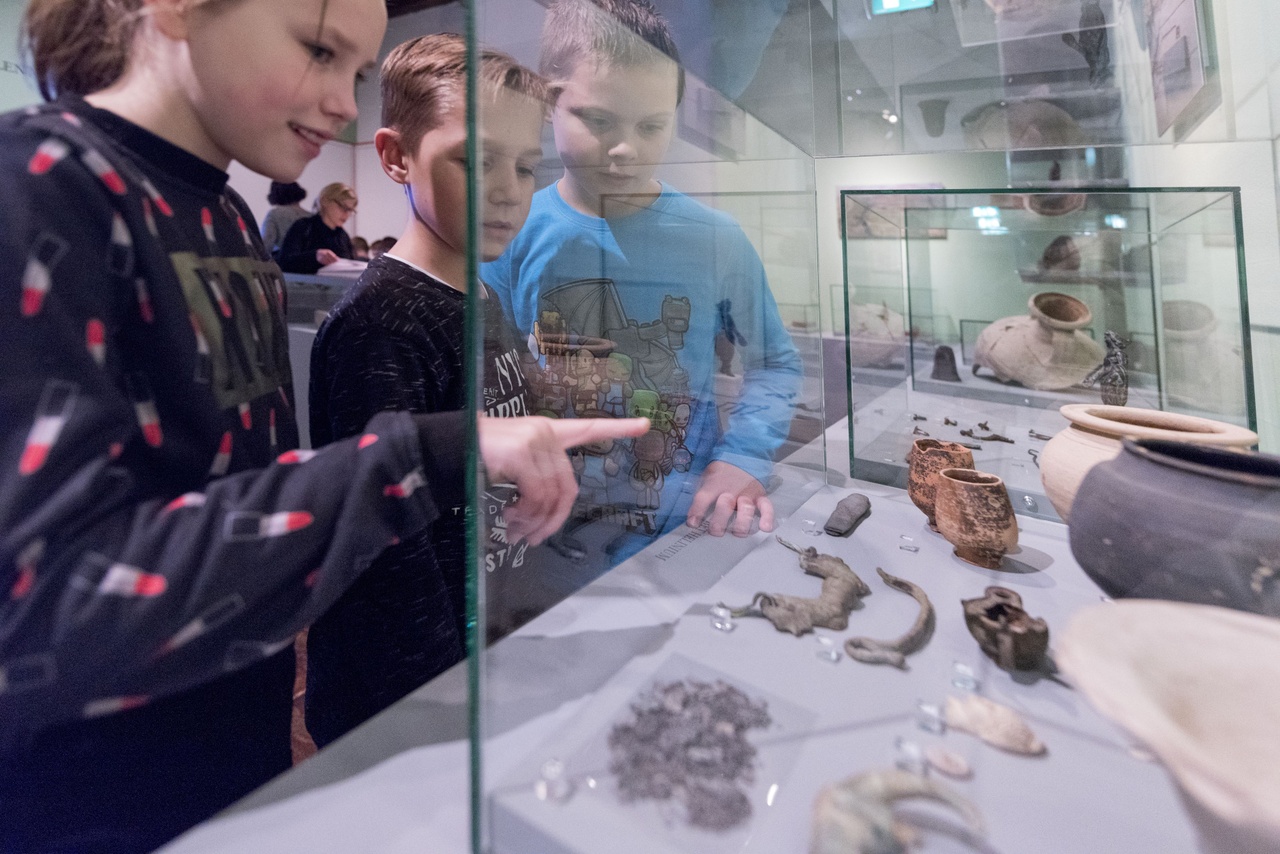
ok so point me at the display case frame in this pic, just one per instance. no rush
(1129, 260)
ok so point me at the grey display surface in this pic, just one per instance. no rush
(1081, 796)
(399, 783)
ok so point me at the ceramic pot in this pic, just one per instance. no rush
(1203, 368)
(1094, 435)
(877, 336)
(1173, 520)
(926, 458)
(1047, 349)
(975, 515)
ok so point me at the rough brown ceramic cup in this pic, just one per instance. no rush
(926, 458)
(974, 515)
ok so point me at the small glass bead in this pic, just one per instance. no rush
(929, 717)
(554, 785)
(827, 650)
(963, 677)
(910, 756)
(722, 619)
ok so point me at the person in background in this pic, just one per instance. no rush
(396, 340)
(319, 240)
(286, 200)
(162, 540)
(359, 248)
(381, 246)
(612, 254)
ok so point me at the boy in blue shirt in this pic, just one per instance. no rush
(623, 284)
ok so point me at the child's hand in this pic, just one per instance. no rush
(725, 490)
(326, 257)
(530, 452)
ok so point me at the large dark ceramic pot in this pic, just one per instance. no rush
(1191, 523)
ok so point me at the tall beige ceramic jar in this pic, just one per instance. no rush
(1094, 435)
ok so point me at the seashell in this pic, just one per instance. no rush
(996, 724)
(947, 761)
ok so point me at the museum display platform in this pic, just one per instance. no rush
(398, 783)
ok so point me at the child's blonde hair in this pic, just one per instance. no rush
(608, 32)
(423, 77)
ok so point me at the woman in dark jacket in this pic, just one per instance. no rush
(318, 240)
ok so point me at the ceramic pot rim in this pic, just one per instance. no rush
(971, 476)
(1251, 469)
(1118, 421)
(562, 343)
(923, 445)
(1059, 311)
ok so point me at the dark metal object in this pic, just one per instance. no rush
(916, 431)
(990, 437)
(944, 365)
(982, 425)
(1091, 41)
(687, 741)
(915, 417)
(950, 422)
(1010, 636)
(1039, 436)
(871, 651)
(842, 590)
(1113, 373)
(848, 514)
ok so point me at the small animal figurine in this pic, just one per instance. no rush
(842, 590)
(1112, 374)
(855, 816)
(1091, 41)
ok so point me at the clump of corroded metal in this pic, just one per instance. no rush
(1008, 634)
(842, 590)
(687, 743)
(871, 651)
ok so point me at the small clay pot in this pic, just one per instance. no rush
(1203, 366)
(1173, 520)
(975, 515)
(926, 458)
(1094, 435)
(934, 113)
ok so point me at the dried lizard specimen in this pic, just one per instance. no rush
(870, 651)
(842, 590)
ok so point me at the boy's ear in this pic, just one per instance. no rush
(391, 154)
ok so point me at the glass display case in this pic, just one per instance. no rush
(645, 684)
(640, 683)
(975, 315)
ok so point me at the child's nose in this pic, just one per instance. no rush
(623, 149)
(340, 101)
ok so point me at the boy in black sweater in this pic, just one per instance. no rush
(396, 341)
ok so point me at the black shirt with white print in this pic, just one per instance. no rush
(396, 340)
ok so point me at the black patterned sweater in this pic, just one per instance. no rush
(395, 340)
(158, 531)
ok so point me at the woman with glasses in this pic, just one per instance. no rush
(317, 240)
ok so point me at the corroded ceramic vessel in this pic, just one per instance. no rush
(975, 515)
(1094, 435)
(926, 458)
(1172, 520)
